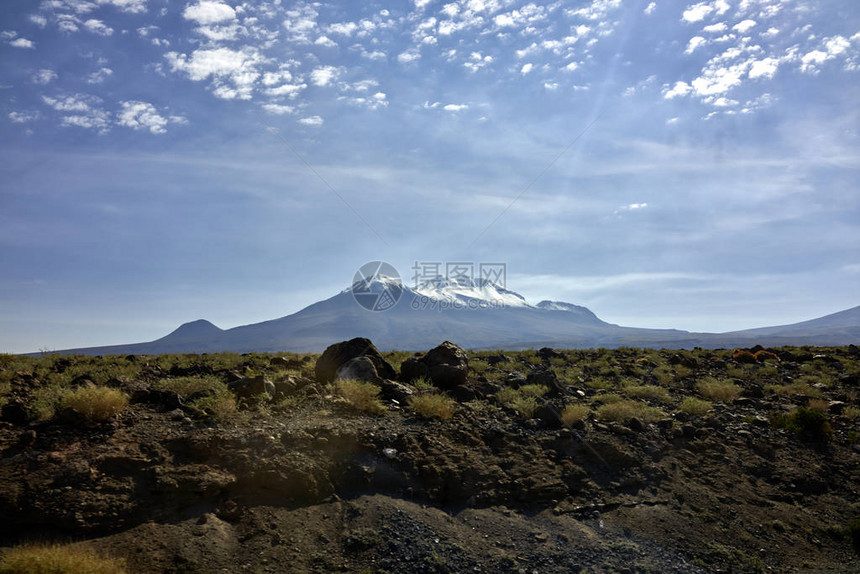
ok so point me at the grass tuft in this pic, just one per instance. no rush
(433, 406)
(363, 396)
(95, 403)
(652, 392)
(572, 414)
(694, 406)
(57, 559)
(717, 390)
(625, 410)
(525, 406)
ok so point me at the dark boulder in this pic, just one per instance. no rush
(446, 366)
(413, 369)
(286, 363)
(360, 369)
(336, 355)
(247, 388)
(546, 354)
(394, 391)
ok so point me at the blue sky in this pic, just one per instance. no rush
(666, 164)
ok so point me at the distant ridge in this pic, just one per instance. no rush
(473, 314)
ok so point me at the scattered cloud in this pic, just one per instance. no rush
(99, 76)
(98, 27)
(141, 116)
(325, 75)
(649, 9)
(314, 121)
(744, 26)
(22, 43)
(23, 117)
(695, 42)
(208, 12)
(278, 109)
(43, 77)
(679, 89)
(526, 68)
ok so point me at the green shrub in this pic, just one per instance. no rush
(694, 406)
(57, 559)
(717, 390)
(851, 412)
(433, 406)
(793, 389)
(804, 421)
(363, 396)
(572, 414)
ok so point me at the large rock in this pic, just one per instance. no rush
(248, 387)
(446, 366)
(336, 355)
(548, 379)
(360, 369)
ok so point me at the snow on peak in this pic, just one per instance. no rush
(465, 288)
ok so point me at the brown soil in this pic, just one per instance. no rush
(322, 488)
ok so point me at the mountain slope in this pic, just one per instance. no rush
(474, 314)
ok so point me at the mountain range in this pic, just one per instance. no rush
(474, 314)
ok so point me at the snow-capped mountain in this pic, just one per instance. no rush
(471, 313)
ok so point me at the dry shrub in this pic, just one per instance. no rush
(534, 390)
(795, 388)
(57, 559)
(433, 406)
(220, 405)
(819, 405)
(851, 412)
(694, 406)
(363, 396)
(717, 390)
(507, 395)
(187, 386)
(95, 403)
(572, 414)
(625, 410)
(525, 406)
(607, 398)
(653, 392)
(763, 356)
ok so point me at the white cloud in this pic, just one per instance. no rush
(22, 43)
(324, 75)
(141, 116)
(325, 41)
(679, 89)
(343, 28)
(289, 90)
(526, 68)
(455, 107)
(770, 33)
(694, 43)
(208, 12)
(408, 56)
(697, 12)
(300, 23)
(43, 77)
(71, 103)
(98, 120)
(314, 121)
(130, 6)
(571, 66)
(649, 9)
(98, 27)
(38, 20)
(23, 117)
(716, 28)
(278, 109)
(633, 206)
(99, 76)
(239, 67)
(551, 86)
(744, 26)
(597, 10)
(765, 68)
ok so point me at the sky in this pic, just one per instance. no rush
(691, 165)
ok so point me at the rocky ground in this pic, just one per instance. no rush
(299, 479)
